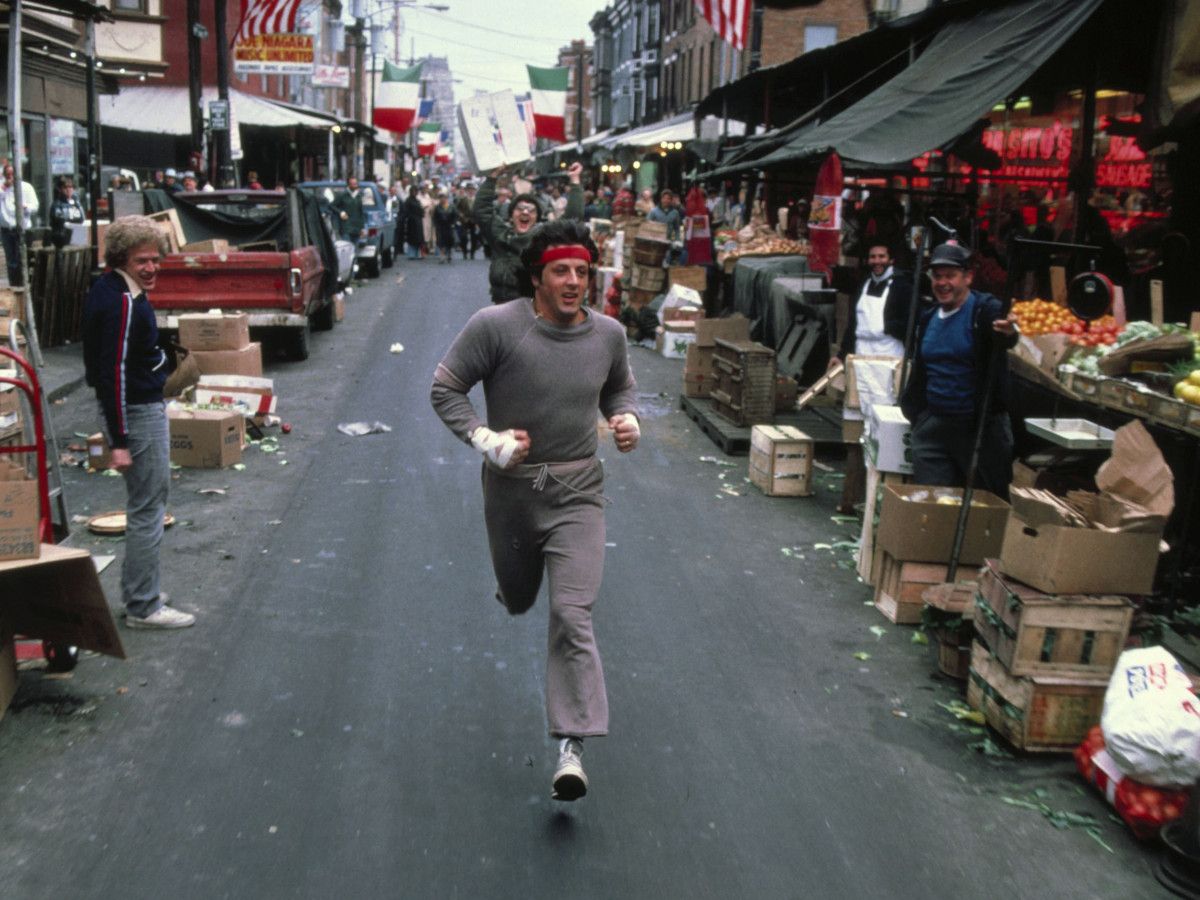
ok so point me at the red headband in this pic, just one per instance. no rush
(566, 251)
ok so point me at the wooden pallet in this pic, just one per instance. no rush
(823, 426)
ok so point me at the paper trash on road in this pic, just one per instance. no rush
(358, 429)
(397, 348)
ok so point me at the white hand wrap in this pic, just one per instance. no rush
(498, 447)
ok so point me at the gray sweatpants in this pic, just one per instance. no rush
(555, 523)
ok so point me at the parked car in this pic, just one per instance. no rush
(266, 253)
(377, 244)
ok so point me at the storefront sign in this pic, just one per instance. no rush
(62, 147)
(1124, 165)
(331, 76)
(274, 54)
(1032, 153)
(218, 115)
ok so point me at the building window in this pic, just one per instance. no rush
(135, 6)
(818, 36)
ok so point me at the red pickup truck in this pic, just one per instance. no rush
(279, 267)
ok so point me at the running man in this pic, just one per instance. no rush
(547, 364)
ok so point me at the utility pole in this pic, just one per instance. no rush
(93, 142)
(194, 32)
(222, 139)
(579, 92)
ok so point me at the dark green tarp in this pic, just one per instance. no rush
(970, 66)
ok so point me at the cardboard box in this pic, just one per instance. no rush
(216, 245)
(852, 430)
(694, 277)
(254, 396)
(673, 338)
(1034, 714)
(168, 221)
(99, 453)
(214, 331)
(889, 440)
(698, 376)
(10, 303)
(10, 400)
(915, 527)
(246, 361)
(1060, 559)
(205, 438)
(656, 230)
(1034, 633)
(57, 597)
(19, 513)
(781, 461)
(731, 328)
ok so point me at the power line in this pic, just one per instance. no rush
(512, 34)
(491, 50)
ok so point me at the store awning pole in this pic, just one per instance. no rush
(93, 142)
(17, 135)
(1086, 176)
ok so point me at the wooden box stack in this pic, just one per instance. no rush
(781, 461)
(745, 390)
(1042, 662)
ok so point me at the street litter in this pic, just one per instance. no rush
(358, 429)
(717, 462)
(220, 491)
(396, 348)
(879, 631)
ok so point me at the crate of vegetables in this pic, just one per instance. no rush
(1144, 808)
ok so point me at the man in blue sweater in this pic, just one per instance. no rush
(949, 379)
(127, 368)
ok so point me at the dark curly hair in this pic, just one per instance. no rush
(553, 234)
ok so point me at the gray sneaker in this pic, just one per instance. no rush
(162, 618)
(570, 781)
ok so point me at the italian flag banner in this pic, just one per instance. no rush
(548, 87)
(427, 138)
(397, 99)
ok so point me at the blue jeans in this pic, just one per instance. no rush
(147, 484)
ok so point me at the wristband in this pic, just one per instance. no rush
(498, 447)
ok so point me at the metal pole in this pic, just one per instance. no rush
(93, 139)
(194, 75)
(579, 93)
(370, 173)
(18, 140)
(222, 140)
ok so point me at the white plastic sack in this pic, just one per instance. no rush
(1151, 719)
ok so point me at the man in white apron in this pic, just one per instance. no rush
(876, 328)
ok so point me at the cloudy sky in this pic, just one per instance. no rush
(488, 42)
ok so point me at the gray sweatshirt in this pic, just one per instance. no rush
(545, 379)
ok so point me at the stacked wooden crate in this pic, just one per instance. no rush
(1041, 662)
(745, 382)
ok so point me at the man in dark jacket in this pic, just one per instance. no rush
(957, 345)
(65, 212)
(127, 368)
(414, 224)
(349, 208)
(507, 237)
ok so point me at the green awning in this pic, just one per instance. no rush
(969, 67)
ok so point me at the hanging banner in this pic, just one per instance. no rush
(274, 54)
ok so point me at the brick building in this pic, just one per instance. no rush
(577, 59)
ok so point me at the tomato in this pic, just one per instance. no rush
(1172, 810)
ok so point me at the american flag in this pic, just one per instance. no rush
(525, 111)
(729, 19)
(424, 111)
(261, 17)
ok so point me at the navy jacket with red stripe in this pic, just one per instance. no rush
(124, 362)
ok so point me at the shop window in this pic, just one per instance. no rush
(818, 36)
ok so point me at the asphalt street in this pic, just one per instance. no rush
(355, 716)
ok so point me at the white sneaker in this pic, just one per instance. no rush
(570, 781)
(162, 618)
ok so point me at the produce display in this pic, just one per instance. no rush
(756, 240)
(1038, 317)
